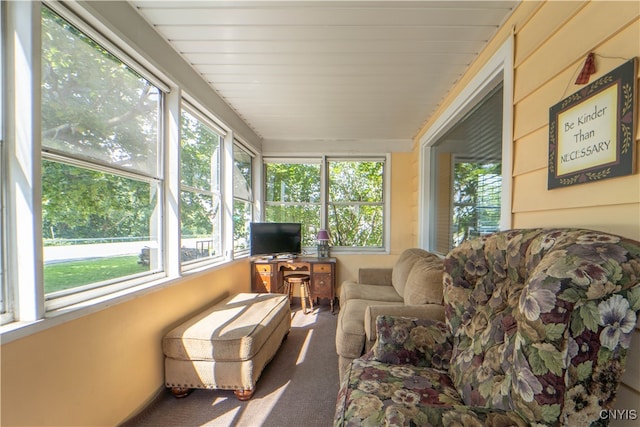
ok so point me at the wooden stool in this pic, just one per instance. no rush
(305, 292)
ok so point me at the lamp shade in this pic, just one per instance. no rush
(323, 235)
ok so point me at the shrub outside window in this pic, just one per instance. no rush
(200, 199)
(101, 176)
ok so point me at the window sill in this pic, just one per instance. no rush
(20, 329)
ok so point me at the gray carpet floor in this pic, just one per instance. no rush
(297, 388)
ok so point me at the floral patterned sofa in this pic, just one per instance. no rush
(538, 324)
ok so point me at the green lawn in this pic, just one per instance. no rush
(65, 275)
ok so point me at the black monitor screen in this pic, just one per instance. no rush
(273, 238)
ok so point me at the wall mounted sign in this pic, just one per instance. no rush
(592, 132)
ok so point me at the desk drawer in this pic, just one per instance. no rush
(263, 268)
(322, 268)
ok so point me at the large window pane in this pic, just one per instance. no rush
(242, 172)
(293, 195)
(200, 195)
(356, 203)
(356, 225)
(293, 182)
(3, 289)
(97, 227)
(101, 181)
(241, 220)
(242, 198)
(200, 225)
(356, 181)
(93, 105)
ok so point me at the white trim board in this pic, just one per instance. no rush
(351, 146)
(498, 68)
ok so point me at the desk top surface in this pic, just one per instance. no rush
(301, 259)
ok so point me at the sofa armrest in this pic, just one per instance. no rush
(375, 276)
(422, 311)
(419, 342)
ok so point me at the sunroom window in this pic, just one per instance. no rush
(350, 203)
(200, 201)
(3, 289)
(356, 203)
(3, 282)
(101, 155)
(293, 195)
(3, 180)
(242, 198)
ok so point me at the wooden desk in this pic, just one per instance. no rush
(267, 275)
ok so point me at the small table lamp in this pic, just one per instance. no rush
(323, 244)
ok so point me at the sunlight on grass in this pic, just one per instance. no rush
(71, 274)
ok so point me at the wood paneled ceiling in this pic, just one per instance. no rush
(329, 70)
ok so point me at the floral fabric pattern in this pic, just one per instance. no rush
(538, 324)
(419, 342)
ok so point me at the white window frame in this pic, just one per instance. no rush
(385, 202)
(205, 119)
(6, 312)
(80, 294)
(498, 68)
(324, 194)
(24, 217)
(251, 200)
(22, 153)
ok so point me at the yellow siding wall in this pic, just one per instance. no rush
(552, 40)
(443, 194)
(102, 368)
(550, 50)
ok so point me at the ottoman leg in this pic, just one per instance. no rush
(243, 395)
(180, 392)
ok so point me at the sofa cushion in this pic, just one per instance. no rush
(375, 393)
(403, 395)
(424, 283)
(351, 290)
(234, 329)
(403, 267)
(350, 334)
